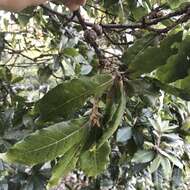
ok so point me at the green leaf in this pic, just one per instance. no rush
(151, 58)
(71, 52)
(155, 164)
(157, 179)
(176, 3)
(116, 109)
(25, 15)
(16, 79)
(66, 163)
(48, 143)
(141, 87)
(184, 94)
(186, 124)
(139, 12)
(143, 156)
(178, 65)
(124, 134)
(173, 159)
(131, 4)
(138, 48)
(177, 177)
(44, 74)
(183, 84)
(95, 161)
(166, 166)
(68, 97)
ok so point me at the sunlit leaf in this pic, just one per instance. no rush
(124, 134)
(143, 156)
(166, 166)
(173, 159)
(155, 164)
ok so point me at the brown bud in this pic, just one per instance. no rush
(90, 35)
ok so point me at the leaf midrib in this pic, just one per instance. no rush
(76, 97)
(55, 143)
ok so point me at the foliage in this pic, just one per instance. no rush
(101, 94)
